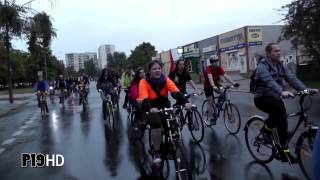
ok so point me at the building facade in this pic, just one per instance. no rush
(103, 52)
(76, 60)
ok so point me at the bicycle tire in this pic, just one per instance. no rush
(310, 135)
(234, 109)
(135, 134)
(181, 164)
(273, 151)
(205, 116)
(196, 122)
(43, 109)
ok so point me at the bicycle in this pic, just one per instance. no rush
(269, 151)
(62, 96)
(107, 108)
(193, 118)
(171, 148)
(231, 115)
(83, 99)
(42, 105)
(137, 125)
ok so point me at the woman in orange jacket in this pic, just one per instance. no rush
(152, 101)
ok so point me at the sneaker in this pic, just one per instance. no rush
(156, 159)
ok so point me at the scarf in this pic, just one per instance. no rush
(158, 83)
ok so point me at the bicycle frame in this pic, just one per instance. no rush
(221, 100)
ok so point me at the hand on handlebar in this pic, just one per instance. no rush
(286, 94)
(153, 110)
(188, 106)
(236, 85)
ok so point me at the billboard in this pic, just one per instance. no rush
(254, 36)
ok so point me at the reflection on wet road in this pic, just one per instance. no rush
(92, 150)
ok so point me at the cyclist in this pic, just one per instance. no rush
(107, 84)
(42, 89)
(212, 77)
(127, 78)
(84, 83)
(269, 76)
(134, 91)
(61, 85)
(153, 94)
(180, 77)
(69, 85)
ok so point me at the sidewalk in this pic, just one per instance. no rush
(18, 101)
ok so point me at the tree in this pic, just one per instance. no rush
(117, 61)
(40, 33)
(142, 54)
(90, 69)
(11, 24)
(303, 25)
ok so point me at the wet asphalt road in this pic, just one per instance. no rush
(92, 151)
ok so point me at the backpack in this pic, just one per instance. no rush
(254, 82)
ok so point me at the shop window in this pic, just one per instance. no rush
(189, 66)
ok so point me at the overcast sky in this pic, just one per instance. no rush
(84, 25)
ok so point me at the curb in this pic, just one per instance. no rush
(2, 113)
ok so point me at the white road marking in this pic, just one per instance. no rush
(17, 133)
(24, 127)
(2, 150)
(8, 141)
(29, 122)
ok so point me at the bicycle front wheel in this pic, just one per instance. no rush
(304, 151)
(261, 152)
(232, 119)
(195, 125)
(205, 113)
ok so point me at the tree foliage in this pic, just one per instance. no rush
(117, 61)
(142, 55)
(90, 68)
(303, 25)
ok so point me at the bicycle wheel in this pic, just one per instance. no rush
(134, 123)
(181, 164)
(43, 109)
(195, 125)
(232, 119)
(304, 150)
(205, 115)
(111, 114)
(261, 152)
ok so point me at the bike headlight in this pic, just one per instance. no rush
(51, 88)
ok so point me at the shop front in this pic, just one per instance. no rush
(233, 52)
(191, 56)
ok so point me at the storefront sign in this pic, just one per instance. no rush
(209, 49)
(254, 36)
(231, 40)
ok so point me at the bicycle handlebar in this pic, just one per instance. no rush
(169, 109)
(303, 93)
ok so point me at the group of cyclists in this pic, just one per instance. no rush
(65, 86)
(147, 92)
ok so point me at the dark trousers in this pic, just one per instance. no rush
(126, 98)
(277, 115)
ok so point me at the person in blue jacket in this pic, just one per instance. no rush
(42, 87)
